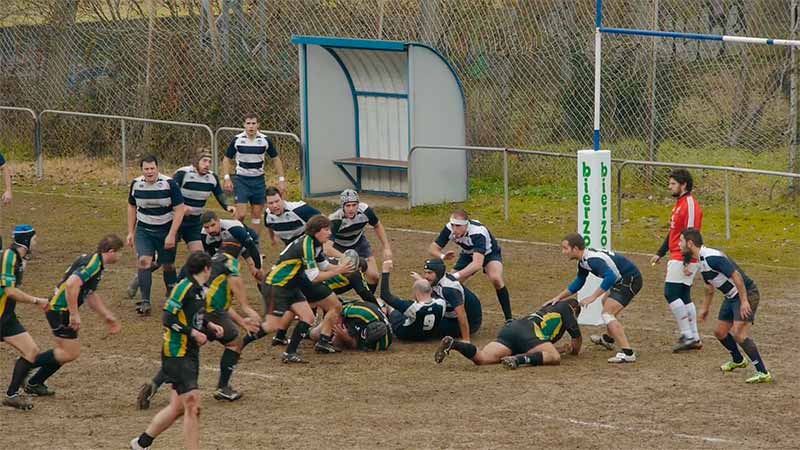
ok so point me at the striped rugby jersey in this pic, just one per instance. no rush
(89, 268)
(452, 292)
(185, 304)
(476, 239)
(347, 232)
(304, 253)
(11, 276)
(218, 296)
(357, 315)
(155, 202)
(291, 224)
(196, 189)
(249, 154)
(608, 265)
(717, 270)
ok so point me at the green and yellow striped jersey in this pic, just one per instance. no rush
(218, 296)
(186, 304)
(89, 268)
(304, 253)
(357, 315)
(10, 276)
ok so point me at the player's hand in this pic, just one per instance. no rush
(587, 301)
(256, 273)
(340, 331)
(169, 242)
(448, 255)
(231, 209)
(129, 240)
(282, 188)
(552, 301)
(114, 326)
(41, 303)
(702, 315)
(687, 271)
(745, 311)
(199, 338)
(416, 276)
(342, 269)
(75, 321)
(251, 325)
(227, 185)
(7, 197)
(388, 265)
(655, 260)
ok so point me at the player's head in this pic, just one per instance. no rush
(198, 265)
(373, 332)
(231, 247)
(24, 237)
(680, 182)
(575, 306)
(433, 270)
(110, 248)
(251, 124)
(202, 161)
(459, 221)
(422, 290)
(211, 224)
(319, 227)
(573, 245)
(349, 200)
(149, 165)
(691, 240)
(274, 201)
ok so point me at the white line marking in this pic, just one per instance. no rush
(213, 369)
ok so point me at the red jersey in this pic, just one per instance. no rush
(685, 214)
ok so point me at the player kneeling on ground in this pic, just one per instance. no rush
(621, 282)
(738, 310)
(185, 330)
(417, 320)
(528, 341)
(363, 327)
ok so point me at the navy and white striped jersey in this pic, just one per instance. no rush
(452, 292)
(292, 223)
(234, 229)
(717, 270)
(196, 189)
(608, 265)
(155, 202)
(346, 232)
(412, 320)
(249, 154)
(476, 239)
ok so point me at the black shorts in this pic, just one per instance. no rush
(279, 299)
(230, 330)
(59, 325)
(191, 229)
(625, 289)
(181, 372)
(465, 258)
(519, 336)
(10, 326)
(315, 292)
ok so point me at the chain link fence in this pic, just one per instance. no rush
(526, 67)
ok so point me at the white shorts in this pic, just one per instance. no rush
(675, 272)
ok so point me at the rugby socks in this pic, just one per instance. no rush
(536, 359)
(45, 371)
(730, 344)
(608, 338)
(145, 283)
(749, 347)
(505, 301)
(227, 364)
(681, 315)
(692, 313)
(324, 338)
(627, 351)
(21, 369)
(145, 440)
(160, 378)
(465, 348)
(299, 333)
(255, 336)
(372, 287)
(170, 279)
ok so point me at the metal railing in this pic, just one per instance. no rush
(122, 119)
(726, 169)
(36, 154)
(293, 136)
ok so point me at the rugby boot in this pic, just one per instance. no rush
(760, 377)
(730, 366)
(324, 347)
(133, 287)
(685, 344)
(510, 362)
(227, 393)
(444, 349)
(599, 339)
(135, 445)
(292, 358)
(621, 358)
(146, 394)
(39, 390)
(18, 401)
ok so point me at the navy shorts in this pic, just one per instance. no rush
(59, 325)
(229, 329)
(150, 242)
(191, 229)
(361, 247)
(729, 310)
(518, 335)
(10, 326)
(465, 258)
(252, 190)
(627, 288)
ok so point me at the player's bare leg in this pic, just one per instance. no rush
(545, 354)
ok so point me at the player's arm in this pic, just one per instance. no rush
(273, 238)
(249, 244)
(98, 305)
(356, 281)
(6, 180)
(178, 211)
(609, 279)
(744, 303)
(386, 291)
(575, 345)
(380, 231)
(131, 216)
(463, 325)
(220, 196)
(170, 318)
(708, 297)
(272, 152)
(73, 289)
(18, 295)
(331, 251)
(437, 246)
(343, 337)
(240, 294)
(230, 153)
(575, 286)
(478, 255)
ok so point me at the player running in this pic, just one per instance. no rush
(78, 285)
(12, 332)
(185, 330)
(738, 310)
(412, 320)
(680, 271)
(621, 282)
(528, 341)
(479, 250)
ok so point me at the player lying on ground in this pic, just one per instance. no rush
(363, 326)
(738, 310)
(529, 341)
(464, 314)
(412, 320)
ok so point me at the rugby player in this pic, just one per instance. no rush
(216, 230)
(363, 326)
(479, 250)
(621, 282)
(285, 221)
(412, 320)
(737, 312)
(464, 314)
(680, 271)
(185, 330)
(528, 341)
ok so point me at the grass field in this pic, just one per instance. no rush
(401, 399)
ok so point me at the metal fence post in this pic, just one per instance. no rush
(124, 153)
(505, 183)
(727, 207)
(37, 146)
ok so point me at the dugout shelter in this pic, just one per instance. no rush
(365, 103)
